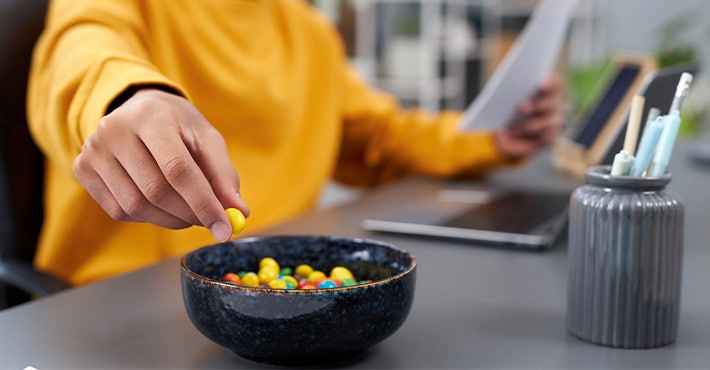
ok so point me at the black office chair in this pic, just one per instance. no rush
(21, 163)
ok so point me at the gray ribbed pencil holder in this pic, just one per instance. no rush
(625, 260)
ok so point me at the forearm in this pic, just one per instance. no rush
(382, 141)
(414, 143)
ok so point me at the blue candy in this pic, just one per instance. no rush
(327, 283)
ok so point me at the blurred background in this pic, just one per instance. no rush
(438, 54)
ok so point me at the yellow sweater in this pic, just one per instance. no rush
(270, 75)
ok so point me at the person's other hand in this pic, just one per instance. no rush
(156, 159)
(540, 123)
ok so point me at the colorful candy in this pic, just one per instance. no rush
(271, 275)
(290, 280)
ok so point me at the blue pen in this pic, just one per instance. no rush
(670, 131)
(653, 112)
(649, 140)
(665, 145)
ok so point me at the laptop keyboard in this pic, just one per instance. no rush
(513, 212)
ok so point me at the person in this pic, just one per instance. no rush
(156, 116)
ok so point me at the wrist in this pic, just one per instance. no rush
(132, 90)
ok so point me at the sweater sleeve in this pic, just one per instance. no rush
(88, 54)
(382, 141)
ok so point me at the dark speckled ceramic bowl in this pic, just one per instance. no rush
(299, 327)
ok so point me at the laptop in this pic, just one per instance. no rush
(520, 218)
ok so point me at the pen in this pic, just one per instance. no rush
(665, 145)
(653, 112)
(681, 91)
(670, 130)
(649, 140)
(623, 163)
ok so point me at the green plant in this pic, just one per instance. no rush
(672, 48)
(585, 82)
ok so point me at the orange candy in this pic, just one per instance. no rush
(232, 278)
(317, 276)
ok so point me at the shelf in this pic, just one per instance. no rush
(439, 53)
(410, 88)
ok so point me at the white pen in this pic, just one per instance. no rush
(681, 91)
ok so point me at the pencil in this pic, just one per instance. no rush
(632, 128)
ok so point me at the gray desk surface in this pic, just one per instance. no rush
(475, 306)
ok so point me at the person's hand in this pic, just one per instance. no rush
(540, 122)
(156, 159)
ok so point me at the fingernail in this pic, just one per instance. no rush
(221, 231)
(243, 205)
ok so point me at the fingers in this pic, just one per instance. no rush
(542, 112)
(185, 176)
(544, 101)
(119, 196)
(217, 168)
(550, 85)
(516, 146)
(540, 123)
(107, 181)
(549, 123)
(148, 179)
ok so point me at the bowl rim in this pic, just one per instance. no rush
(250, 239)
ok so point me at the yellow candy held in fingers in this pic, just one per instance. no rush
(236, 218)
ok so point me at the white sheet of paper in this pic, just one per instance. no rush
(531, 58)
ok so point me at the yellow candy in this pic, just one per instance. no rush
(277, 284)
(303, 270)
(250, 279)
(268, 261)
(340, 273)
(317, 276)
(236, 218)
(268, 273)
